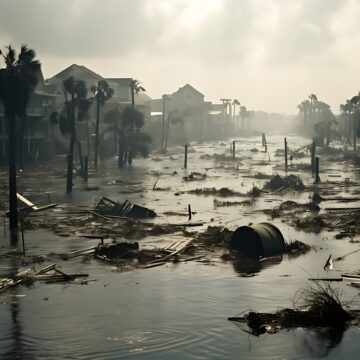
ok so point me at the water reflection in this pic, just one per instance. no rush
(319, 342)
(17, 348)
(250, 266)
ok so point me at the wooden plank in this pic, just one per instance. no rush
(167, 257)
(26, 201)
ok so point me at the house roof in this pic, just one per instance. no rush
(188, 86)
(78, 71)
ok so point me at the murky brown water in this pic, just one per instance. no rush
(175, 311)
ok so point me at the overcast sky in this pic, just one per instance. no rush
(270, 54)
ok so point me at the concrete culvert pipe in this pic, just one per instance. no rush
(261, 239)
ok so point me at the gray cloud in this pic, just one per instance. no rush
(231, 40)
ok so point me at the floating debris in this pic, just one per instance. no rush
(107, 206)
(278, 183)
(315, 307)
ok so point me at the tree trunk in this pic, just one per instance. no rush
(12, 173)
(121, 150)
(71, 148)
(21, 145)
(167, 133)
(130, 155)
(125, 153)
(97, 131)
(78, 143)
(87, 139)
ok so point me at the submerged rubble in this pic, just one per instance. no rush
(223, 192)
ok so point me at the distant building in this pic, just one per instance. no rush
(190, 106)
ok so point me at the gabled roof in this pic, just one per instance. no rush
(188, 86)
(78, 71)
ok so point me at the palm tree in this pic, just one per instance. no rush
(135, 88)
(305, 108)
(243, 115)
(313, 99)
(355, 102)
(235, 102)
(113, 120)
(17, 82)
(345, 110)
(78, 102)
(102, 92)
(132, 121)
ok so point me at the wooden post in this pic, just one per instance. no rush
(233, 152)
(22, 234)
(317, 177)
(185, 159)
(313, 154)
(69, 174)
(286, 154)
(189, 211)
(86, 168)
(163, 123)
(12, 173)
(97, 129)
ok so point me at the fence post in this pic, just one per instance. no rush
(185, 158)
(317, 177)
(286, 154)
(86, 168)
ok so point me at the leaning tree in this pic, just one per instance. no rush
(18, 80)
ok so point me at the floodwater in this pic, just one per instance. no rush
(176, 311)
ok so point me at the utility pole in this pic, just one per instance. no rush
(163, 123)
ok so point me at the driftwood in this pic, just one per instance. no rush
(31, 205)
(342, 257)
(326, 279)
(30, 276)
(175, 252)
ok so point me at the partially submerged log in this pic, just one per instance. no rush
(314, 308)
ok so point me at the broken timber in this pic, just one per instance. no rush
(31, 205)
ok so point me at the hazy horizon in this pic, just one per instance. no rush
(269, 54)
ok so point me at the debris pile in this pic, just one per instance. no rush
(215, 236)
(194, 176)
(278, 183)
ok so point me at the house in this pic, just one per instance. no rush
(38, 141)
(188, 104)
